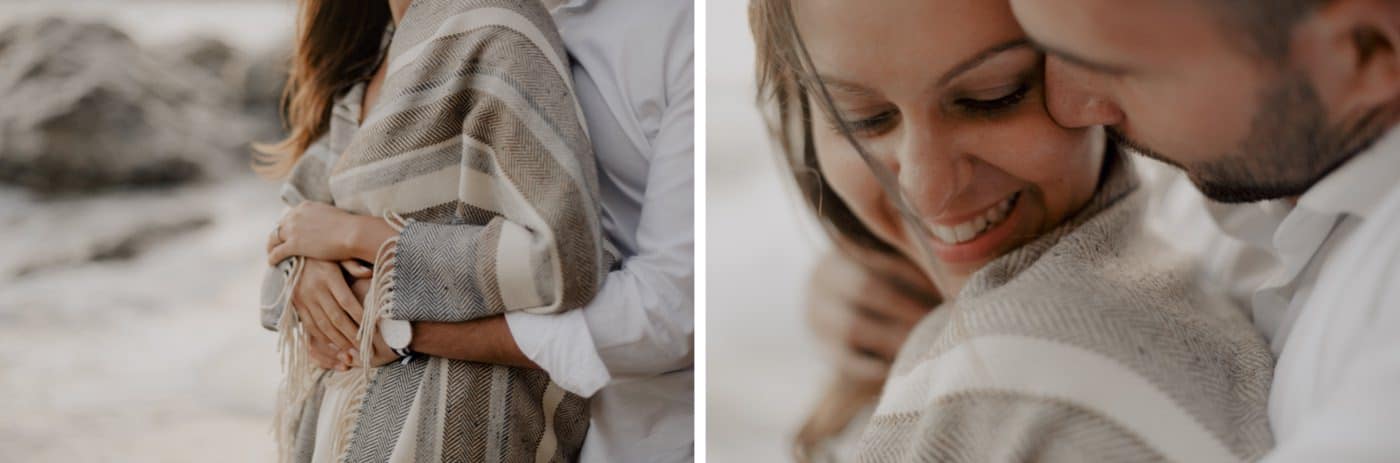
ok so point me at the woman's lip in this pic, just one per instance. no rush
(984, 245)
(951, 220)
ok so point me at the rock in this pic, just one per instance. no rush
(83, 108)
(213, 56)
(262, 83)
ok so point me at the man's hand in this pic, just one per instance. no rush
(866, 303)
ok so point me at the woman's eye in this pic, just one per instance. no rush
(872, 126)
(995, 105)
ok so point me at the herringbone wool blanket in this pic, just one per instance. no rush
(1093, 343)
(477, 152)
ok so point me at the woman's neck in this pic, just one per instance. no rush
(397, 7)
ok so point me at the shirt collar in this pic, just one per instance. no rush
(573, 4)
(1359, 184)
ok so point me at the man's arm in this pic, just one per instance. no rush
(486, 340)
(641, 324)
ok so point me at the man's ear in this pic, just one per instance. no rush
(1351, 51)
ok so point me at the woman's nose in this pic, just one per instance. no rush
(931, 171)
(1078, 98)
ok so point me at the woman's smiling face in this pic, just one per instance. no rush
(949, 96)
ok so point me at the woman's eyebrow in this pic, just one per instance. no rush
(843, 86)
(981, 57)
(854, 89)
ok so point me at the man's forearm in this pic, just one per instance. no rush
(486, 340)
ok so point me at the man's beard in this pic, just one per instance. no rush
(1290, 147)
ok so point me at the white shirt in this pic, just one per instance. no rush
(1336, 390)
(1323, 280)
(631, 348)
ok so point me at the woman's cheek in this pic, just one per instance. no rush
(1060, 162)
(847, 175)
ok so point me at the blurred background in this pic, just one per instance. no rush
(766, 370)
(132, 229)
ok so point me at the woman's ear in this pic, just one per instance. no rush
(1351, 51)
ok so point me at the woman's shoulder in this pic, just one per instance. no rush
(1106, 320)
(1107, 277)
(435, 20)
(1132, 370)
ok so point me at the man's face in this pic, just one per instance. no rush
(1170, 80)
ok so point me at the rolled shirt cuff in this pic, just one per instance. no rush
(561, 345)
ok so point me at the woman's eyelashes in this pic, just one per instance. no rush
(882, 122)
(875, 125)
(994, 106)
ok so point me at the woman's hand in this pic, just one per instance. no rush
(326, 355)
(328, 310)
(362, 274)
(321, 231)
(867, 308)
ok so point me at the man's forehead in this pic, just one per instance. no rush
(1115, 33)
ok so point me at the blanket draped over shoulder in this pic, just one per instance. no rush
(477, 153)
(1094, 342)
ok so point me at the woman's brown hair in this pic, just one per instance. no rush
(786, 93)
(337, 44)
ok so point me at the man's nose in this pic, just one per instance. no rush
(1079, 98)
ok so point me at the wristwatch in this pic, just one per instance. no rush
(398, 334)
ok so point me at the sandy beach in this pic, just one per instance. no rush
(128, 319)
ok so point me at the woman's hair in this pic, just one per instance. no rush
(785, 92)
(337, 44)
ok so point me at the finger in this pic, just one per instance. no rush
(338, 325)
(882, 339)
(322, 320)
(857, 286)
(901, 269)
(882, 297)
(829, 317)
(307, 321)
(279, 253)
(323, 361)
(861, 367)
(903, 272)
(361, 289)
(356, 269)
(321, 353)
(272, 240)
(340, 290)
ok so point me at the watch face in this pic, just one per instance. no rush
(397, 333)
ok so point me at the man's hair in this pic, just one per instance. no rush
(1268, 23)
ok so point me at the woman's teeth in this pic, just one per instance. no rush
(967, 231)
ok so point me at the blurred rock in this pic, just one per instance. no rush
(213, 56)
(255, 79)
(83, 108)
(262, 83)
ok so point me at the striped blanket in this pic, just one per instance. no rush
(477, 153)
(1092, 343)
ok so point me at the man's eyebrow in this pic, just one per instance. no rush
(980, 57)
(1080, 61)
